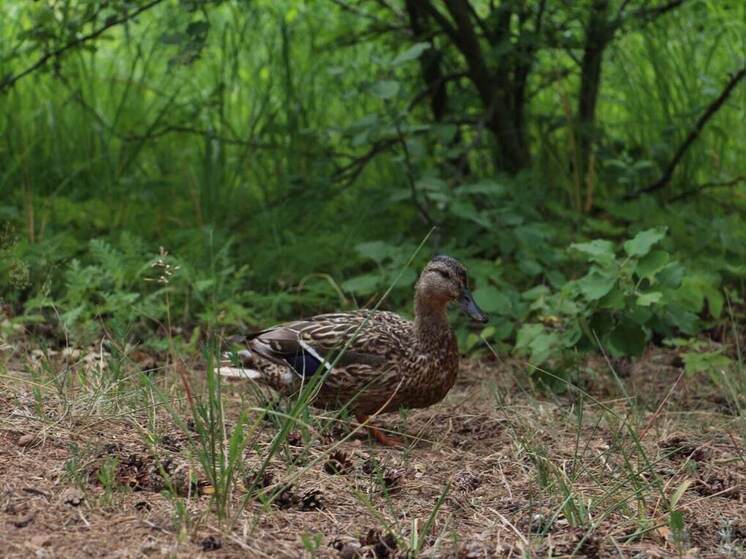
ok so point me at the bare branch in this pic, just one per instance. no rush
(713, 108)
(707, 186)
(8, 82)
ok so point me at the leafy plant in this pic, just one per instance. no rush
(625, 298)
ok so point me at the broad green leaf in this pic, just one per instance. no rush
(671, 275)
(652, 263)
(412, 53)
(614, 300)
(682, 318)
(490, 300)
(543, 346)
(385, 89)
(598, 250)
(628, 338)
(503, 329)
(362, 285)
(466, 210)
(526, 335)
(535, 293)
(482, 187)
(375, 250)
(705, 362)
(715, 301)
(641, 244)
(641, 315)
(595, 284)
(530, 267)
(647, 299)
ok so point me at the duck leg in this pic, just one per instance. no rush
(380, 436)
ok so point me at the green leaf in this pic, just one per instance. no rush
(679, 493)
(598, 250)
(705, 362)
(530, 267)
(595, 284)
(682, 318)
(361, 285)
(652, 263)
(671, 275)
(491, 300)
(385, 89)
(466, 210)
(641, 244)
(715, 302)
(526, 334)
(647, 299)
(412, 53)
(483, 187)
(375, 250)
(676, 523)
(535, 340)
(628, 338)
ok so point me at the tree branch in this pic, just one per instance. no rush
(708, 185)
(713, 108)
(10, 81)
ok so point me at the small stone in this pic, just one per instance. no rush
(26, 440)
(40, 540)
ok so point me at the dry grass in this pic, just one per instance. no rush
(91, 467)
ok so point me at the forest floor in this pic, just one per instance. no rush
(644, 462)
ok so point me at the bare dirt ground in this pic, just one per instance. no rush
(496, 470)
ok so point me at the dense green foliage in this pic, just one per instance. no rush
(290, 156)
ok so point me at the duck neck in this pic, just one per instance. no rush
(430, 319)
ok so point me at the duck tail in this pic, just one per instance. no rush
(238, 373)
(245, 370)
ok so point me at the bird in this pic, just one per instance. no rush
(372, 361)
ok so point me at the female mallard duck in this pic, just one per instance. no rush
(386, 362)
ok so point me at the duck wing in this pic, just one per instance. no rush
(357, 340)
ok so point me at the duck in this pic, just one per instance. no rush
(373, 362)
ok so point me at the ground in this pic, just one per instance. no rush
(644, 461)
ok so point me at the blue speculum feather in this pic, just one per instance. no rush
(303, 363)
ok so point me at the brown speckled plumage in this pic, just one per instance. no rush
(389, 362)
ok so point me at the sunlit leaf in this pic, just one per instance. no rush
(596, 284)
(385, 89)
(490, 300)
(412, 53)
(641, 244)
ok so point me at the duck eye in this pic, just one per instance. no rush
(443, 273)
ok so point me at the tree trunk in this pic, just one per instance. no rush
(435, 81)
(598, 33)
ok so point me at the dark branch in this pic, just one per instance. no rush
(707, 186)
(713, 108)
(11, 80)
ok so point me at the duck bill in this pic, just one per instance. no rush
(469, 306)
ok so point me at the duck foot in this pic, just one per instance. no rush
(380, 436)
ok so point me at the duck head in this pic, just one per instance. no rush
(444, 280)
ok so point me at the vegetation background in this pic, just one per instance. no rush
(289, 157)
(175, 171)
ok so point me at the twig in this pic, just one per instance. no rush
(713, 108)
(657, 413)
(10, 81)
(706, 186)
(421, 208)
